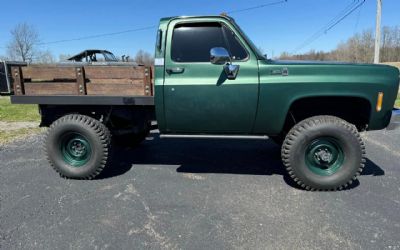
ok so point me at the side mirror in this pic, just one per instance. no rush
(231, 71)
(219, 55)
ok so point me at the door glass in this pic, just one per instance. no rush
(193, 42)
(236, 49)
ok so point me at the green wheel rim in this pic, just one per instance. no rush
(75, 149)
(324, 156)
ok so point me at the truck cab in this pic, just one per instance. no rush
(197, 95)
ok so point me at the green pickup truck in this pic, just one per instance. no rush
(210, 81)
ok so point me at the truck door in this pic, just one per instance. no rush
(198, 97)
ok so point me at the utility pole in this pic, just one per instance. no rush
(378, 30)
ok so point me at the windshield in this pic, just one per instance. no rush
(109, 57)
(249, 42)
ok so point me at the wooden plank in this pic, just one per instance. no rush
(116, 81)
(51, 88)
(152, 80)
(48, 72)
(18, 80)
(114, 72)
(114, 90)
(147, 80)
(80, 81)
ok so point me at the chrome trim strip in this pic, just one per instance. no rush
(251, 137)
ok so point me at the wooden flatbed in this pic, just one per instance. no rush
(83, 85)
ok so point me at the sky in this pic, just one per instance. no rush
(274, 29)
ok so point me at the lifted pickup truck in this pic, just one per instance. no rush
(210, 81)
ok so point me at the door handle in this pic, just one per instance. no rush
(177, 70)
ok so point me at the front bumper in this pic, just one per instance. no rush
(395, 120)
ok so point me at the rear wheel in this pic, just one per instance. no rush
(323, 153)
(78, 146)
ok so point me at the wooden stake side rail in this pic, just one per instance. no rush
(45, 80)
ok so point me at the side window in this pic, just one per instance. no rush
(234, 47)
(193, 42)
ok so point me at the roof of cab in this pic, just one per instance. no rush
(167, 19)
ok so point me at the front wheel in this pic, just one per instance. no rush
(323, 153)
(78, 146)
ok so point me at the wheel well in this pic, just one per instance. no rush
(354, 110)
(116, 118)
(50, 113)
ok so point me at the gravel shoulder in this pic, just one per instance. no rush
(14, 131)
(8, 126)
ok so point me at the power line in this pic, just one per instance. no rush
(98, 35)
(321, 31)
(343, 14)
(341, 19)
(148, 27)
(257, 7)
(358, 19)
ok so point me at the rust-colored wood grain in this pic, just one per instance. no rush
(115, 89)
(115, 81)
(114, 72)
(83, 80)
(18, 80)
(80, 81)
(50, 73)
(50, 88)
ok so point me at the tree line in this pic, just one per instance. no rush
(25, 46)
(358, 48)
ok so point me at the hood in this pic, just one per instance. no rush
(334, 74)
(380, 72)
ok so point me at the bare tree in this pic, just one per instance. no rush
(63, 57)
(23, 42)
(44, 57)
(144, 58)
(358, 48)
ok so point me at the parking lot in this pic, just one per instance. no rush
(196, 194)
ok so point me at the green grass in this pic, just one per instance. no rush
(397, 103)
(17, 112)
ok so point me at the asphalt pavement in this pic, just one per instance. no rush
(196, 194)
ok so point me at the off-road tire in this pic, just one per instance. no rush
(93, 131)
(305, 133)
